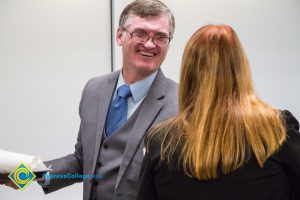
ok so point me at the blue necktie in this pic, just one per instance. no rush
(117, 113)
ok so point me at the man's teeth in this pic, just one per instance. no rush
(144, 53)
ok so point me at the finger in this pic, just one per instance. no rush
(12, 185)
(40, 179)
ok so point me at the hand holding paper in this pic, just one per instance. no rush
(16, 164)
(10, 160)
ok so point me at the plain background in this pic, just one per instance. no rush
(50, 48)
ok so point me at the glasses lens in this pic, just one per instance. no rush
(139, 37)
(161, 41)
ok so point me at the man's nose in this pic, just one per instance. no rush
(149, 43)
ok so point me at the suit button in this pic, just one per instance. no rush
(99, 164)
(105, 146)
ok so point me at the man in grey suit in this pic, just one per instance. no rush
(117, 109)
(109, 145)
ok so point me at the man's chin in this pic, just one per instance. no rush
(147, 70)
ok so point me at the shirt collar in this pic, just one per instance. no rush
(138, 89)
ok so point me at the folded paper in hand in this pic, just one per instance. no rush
(10, 160)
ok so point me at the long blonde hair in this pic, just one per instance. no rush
(221, 120)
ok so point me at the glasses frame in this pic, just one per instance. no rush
(153, 38)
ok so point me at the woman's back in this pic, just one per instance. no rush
(278, 179)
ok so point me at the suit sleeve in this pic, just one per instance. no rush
(70, 164)
(291, 152)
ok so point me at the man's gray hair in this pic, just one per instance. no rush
(146, 8)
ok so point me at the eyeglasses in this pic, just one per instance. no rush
(143, 37)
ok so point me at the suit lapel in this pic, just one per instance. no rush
(106, 93)
(151, 106)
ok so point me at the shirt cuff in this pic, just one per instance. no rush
(45, 183)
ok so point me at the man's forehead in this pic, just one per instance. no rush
(159, 23)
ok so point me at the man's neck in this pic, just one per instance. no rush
(131, 77)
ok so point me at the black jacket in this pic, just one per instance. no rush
(279, 179)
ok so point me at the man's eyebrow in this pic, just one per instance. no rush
(161, 34)
(140, 30)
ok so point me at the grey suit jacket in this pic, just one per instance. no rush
(159, 104)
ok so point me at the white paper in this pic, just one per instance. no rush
(10, 160)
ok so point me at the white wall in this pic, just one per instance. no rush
(269, 31)
(48, 51)
(50, 48)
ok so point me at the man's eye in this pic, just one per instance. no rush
(139, 34)
(160, 37)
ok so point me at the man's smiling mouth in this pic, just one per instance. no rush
(147, 54)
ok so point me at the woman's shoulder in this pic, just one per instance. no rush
(290, 148)
(159, 137)
(290, 121)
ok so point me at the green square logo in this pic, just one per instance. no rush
(22, 176)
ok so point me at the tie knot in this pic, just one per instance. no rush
(124, 91)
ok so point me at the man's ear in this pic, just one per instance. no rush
(119, 36)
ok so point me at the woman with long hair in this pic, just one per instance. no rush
(225, 143)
